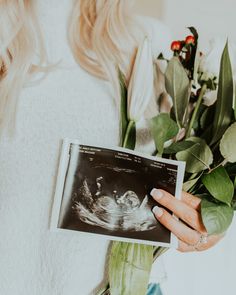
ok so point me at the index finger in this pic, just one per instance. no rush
(182, 210)
(190, 200)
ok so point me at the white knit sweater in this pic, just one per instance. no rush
(68, 103)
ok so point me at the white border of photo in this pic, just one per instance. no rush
(60, 187)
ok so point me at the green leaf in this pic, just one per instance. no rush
(123, 105)
(235, 102)
(228, 144)
(163, 128)
(211, 84)
(207, 117)
(128, 128)
(178, 86)
(178, 146)
(224, 101)
(234, 204)
(197, 61)
(234, 198)
(196, 125)
(219, 185)
(192, 63)
(161, 56)
(216, 217)
(130, 136)
(190, 183)
(198, 157)
(129, 268)
(194, 32)
(231, 169)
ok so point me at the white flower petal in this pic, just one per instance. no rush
(210, 97)
(210, 63)
(140, 88)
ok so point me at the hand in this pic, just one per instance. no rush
(189, 229)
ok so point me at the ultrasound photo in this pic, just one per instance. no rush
(107, 192)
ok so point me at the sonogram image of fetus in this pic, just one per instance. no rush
(113, 212)
(129, 201)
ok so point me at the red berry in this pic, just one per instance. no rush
(190, 40)
(175, 45)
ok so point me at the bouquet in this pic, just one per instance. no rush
(199, 128)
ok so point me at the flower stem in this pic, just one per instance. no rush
(157, 252)
(127, 133)
(203, 90)
(223, 163)
(105, 290)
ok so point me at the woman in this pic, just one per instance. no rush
(69, 102)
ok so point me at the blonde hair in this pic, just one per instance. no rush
(98, 30)
(20, 43)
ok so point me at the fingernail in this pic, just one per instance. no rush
(156, 193)
(157, 211)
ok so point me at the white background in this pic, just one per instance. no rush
(211, 18)
(211, 272)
